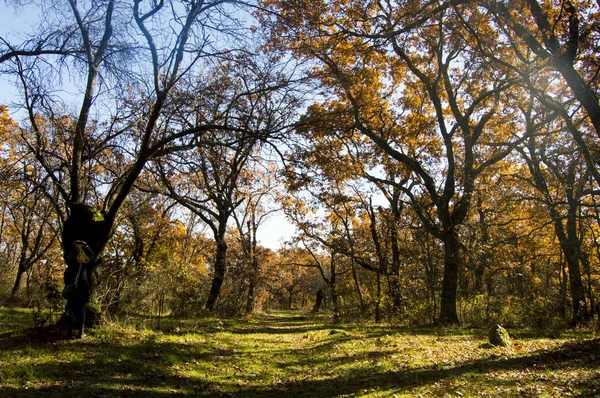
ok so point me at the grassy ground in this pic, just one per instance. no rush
(289, 354)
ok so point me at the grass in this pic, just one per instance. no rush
(290, 354)
(13, 320)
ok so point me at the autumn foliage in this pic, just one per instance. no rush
(438, 160)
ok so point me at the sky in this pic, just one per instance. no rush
(274, 231)
(11, 22)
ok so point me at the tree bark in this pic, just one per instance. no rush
(572, 247)
(333, 291)
(318, 301)
(252, 287)
(17, 285)
(219, 275)
(394, 271)
(448, 312)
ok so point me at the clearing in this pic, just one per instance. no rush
(283, 354)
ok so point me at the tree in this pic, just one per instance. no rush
(212, 177)
(255, 212)
(412, 87)
(562, 181)
(131, 69)
(28, 217)
(561, 35)
(208, 184)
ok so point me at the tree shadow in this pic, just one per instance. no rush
(576, 355)
(104, 366)
(106, 369)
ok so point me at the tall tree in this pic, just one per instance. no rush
(407, 81)
(561, 178)
(211, 178)
(28, 218)
(130, 67)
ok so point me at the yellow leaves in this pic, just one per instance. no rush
(8, 133)
(7, 124)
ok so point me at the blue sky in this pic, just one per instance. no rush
(14, 22)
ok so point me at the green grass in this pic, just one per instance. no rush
(290, 354)
(14, 320)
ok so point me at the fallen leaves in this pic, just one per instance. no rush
(303, 357)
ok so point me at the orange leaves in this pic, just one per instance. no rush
(7, 124)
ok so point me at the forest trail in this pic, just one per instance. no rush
(294, 354)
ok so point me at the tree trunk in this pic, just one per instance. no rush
(581, 89)
(394, 271)
(85, 224)
(335, 308)
(448, 313)
(290, 299)
(318, 301)
(254, 265)
(357, 286)
(378, 299)
(219, 275)
(250, 301)
(333, 291)
(17, 285)
(588, 274)
(580, 312)
(562, 279)
(570, 245)
(395, 289)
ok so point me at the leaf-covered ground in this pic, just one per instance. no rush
(289, 354)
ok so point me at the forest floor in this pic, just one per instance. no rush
(288, 354)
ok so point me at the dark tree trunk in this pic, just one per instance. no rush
(582, 90)
(318, 301)
(219, 275)
(335, 307)
(250, 301)
(394, 272)
(571, 246)
(254, 265)
(396, 294)
(17, 285)
(580, 312)
(290, 300)
(448, 312)
(90, 226)
(378, 299)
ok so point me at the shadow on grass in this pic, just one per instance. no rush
(579, 355)
(104, 366)
(93, 368)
